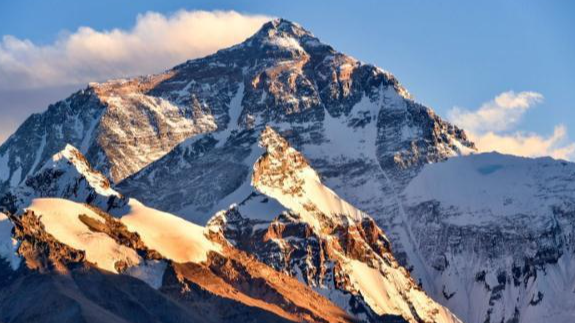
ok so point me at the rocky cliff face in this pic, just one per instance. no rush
(116, 125)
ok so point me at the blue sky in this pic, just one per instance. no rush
(447, 53)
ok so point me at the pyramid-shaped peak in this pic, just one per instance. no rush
(283, 28)
(284, 34)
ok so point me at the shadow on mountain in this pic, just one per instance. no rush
(91, 295)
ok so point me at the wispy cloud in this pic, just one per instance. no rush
(155, 43)
(500, 114)
(494, 125)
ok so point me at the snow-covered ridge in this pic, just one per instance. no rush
(313, 234)
(72, 157)
(500, 233)
(487, 187)
(283, 174)
(80, 227)
(68, 174)
(171, 236)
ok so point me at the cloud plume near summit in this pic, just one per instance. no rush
(33, 76)
(154, 43)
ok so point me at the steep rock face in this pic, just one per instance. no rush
(298, 226)
(43, 135)
(116, 125)
(40, 250)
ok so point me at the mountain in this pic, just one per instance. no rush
(489, 236)
(124, 125)
(341, 113)
(368, 140)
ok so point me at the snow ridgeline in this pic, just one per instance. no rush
(172, 237)
(346, 257)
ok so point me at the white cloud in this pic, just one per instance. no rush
(500, 114)
(155, 43)
(493, 127)
(528, 144)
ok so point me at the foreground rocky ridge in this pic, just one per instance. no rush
(187, 292)
(182, 292)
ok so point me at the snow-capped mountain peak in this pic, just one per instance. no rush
(284, 36)
(72, 157)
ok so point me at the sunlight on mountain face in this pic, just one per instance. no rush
(276, 180)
